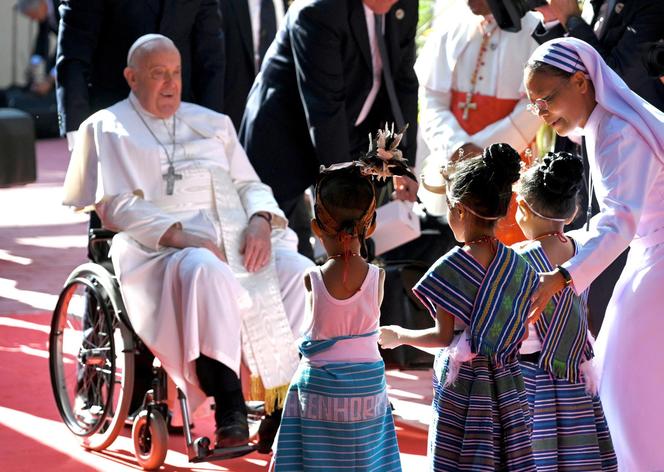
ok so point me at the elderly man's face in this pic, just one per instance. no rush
(156, 80)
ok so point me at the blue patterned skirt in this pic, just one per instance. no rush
(569, 429)
(337, 417)
(481, 423)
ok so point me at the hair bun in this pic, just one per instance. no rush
(503, 161)
(562, 173)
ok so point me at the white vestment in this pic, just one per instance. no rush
(629, 186)
(187, 302)
(447, 64)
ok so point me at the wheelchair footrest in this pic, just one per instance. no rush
(223, 453)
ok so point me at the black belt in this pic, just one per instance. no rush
(533, 357)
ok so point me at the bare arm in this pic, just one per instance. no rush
(439, 336)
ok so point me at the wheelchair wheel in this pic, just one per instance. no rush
(150, 436)
(91, 357)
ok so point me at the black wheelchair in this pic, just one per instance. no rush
(92, 349)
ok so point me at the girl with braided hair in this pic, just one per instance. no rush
(337, 414)
(479, 296)
(569, 429)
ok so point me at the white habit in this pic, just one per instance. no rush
(629, 186)
(186, 302)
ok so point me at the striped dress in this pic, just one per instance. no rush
(337, 415)
(570, 432)
(481, 422)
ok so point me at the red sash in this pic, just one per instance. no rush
(484, 111)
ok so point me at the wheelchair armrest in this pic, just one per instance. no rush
(99, 243)
(100, 234)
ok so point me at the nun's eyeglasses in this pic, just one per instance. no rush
(542, 104)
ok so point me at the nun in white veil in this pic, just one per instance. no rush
(573, 90)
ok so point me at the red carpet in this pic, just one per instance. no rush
(32, 437)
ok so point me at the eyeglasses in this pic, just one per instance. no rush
(542, 104)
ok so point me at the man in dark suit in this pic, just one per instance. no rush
(323, 88)
(618, 30)
(249, 28)
(95, 36)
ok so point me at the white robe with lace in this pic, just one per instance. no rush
(186, 302)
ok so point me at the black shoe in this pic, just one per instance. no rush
(85, 411)
(267, 431)
(234, 431)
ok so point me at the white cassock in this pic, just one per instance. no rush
(186, 302)
(445, 68)
(629, 186)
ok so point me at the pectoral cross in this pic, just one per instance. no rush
(467, 106)
(170, 177)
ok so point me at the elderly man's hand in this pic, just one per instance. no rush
(404, 188)
(175, 236)
(257, 247)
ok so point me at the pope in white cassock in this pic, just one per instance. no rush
(207, 266)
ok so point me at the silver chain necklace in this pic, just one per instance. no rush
(170, 176)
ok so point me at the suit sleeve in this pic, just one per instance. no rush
(42, 46)
(406, 84)
(80, 22)
(208, 56)
(626, 56)
(320, 79)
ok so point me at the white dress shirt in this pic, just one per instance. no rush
(376, 62)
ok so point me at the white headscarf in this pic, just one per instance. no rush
(611, 92)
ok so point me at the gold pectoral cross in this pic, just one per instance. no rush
(170, 177)
(467, 106)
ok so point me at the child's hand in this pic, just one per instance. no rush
(388, 337)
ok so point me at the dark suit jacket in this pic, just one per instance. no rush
(302, 109)
(621, 43)
(45, 29)
(95, 36)
(240, 73)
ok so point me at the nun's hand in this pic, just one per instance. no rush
(550, 283)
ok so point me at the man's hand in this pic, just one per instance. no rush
(176, 237)
(563, 9)
(550, 283)
(547, 13)
(257, 246)
(388, 337)
(405, 188)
